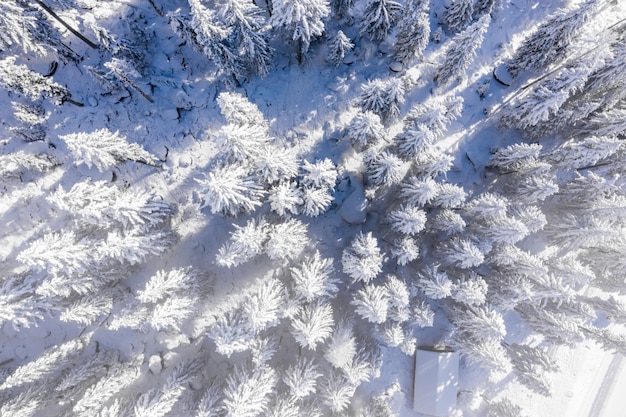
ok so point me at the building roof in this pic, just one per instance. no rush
(436, 382)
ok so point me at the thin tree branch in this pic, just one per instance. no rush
(67, 26)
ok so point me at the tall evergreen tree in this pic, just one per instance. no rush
(303, 19)
(462, 51)
(379, 18)
(549, 43)
(412, 33)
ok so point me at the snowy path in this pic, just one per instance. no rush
(609, 401)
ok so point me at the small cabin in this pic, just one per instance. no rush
(436, 381)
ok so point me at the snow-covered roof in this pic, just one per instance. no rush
(436, 382)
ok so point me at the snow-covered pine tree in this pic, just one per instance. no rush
(45, 366)
(247, 390)
(286, 198)
(207, 35)
(458, 15)
(303, 20)
(164, 284)
(118, 378)
(248, 33)
(423, 315)
(462, 253)
(87, 309)
(414, 140)
(436, 114)
(262, 308)
(531, 365)
(231, 333)
(449, 196)
(313, 324)
(337, 391)
(244, 244)
(286, 240)
(16, 164)
(107, 206)
(18, 78)
(412, 33)
(365, 129)
(383, 97)
(585, 152)
(461, 52)
(32, 118)
(276, 163)
(105, 149)
(341, 348)
(470, 290)
(399, 298)
(134, 247)
(238, 110)
(230, 190)
(408, 220)
(209, 404)
(447, 221)
(432, 162)
(434, 283)
(58, 253)
(339, 47)
(363, 260)
(378, 18)
(385, 168)
(315, 200)
(320, 174)
(549, 43)
(516, 157)
(405, 250)
(482, 7)
(158, 402)
(301, 377)
(504, 408)
(18, 306)
(372, 303)
(314, 278)
(419, 192)
(16, 27)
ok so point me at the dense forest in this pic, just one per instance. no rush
(237, 208)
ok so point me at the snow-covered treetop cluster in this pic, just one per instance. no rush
(238, 208)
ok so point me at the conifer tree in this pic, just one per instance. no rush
(301, 377)
(313, 324)
(19, 78)
(287, 240)
(315, 200)
(405, 250)
(342, 346)
(385, 168)
(337, 391)
(247, 390)
(339, 48)
(263, 307)
(286, 198)
(363, 260)
(248, 33)
(313, 278)
(207, 35)
(365, 129)
(435, 284)
(462, 51)
(321, 174)
(458, 15)
(105, 149)
(372, 303)
(549, 43)
(383, 97)
(303, 19)
(379, 18)
(408, 220)
(230, 190)
(412, 33)
(244, 244)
